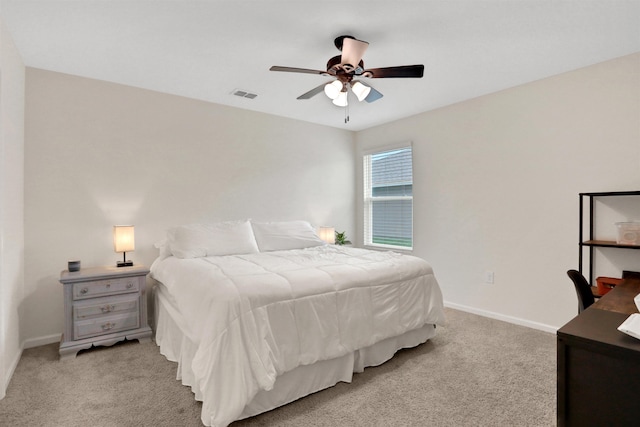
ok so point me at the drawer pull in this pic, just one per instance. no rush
(108, 326)
(108, 308)
(84, 290)
(129, 285)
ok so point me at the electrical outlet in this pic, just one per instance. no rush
(488, 277)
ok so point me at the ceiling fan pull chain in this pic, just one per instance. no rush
(346, 108)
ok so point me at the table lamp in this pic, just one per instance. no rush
(328, 234)
(123, 241)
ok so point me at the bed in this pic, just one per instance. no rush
(258, 315)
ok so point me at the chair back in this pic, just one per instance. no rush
(583, 289)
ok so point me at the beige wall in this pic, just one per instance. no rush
(11, 204)
(496, 183)
(100, 154)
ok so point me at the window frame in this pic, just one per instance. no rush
(368, 198)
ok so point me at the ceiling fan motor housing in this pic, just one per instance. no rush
(344, 72)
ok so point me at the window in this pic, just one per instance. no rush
(388, 198)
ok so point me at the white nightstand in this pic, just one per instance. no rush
(103, 305)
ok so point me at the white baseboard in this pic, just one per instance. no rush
(37, 342)
(504, 318)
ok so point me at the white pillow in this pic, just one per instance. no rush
(278, 236)
(163, 248)
(221, 238)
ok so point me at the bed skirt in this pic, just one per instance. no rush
(302, 381)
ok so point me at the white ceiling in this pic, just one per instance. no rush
(206, 49)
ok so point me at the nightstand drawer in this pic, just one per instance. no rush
(105, 306)
(106, 325)
(104, 287)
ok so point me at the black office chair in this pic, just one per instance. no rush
(583, 289)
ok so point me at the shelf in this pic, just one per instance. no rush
(588, 240)
(612, 194)
(607, 244)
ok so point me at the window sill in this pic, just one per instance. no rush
(388, 248)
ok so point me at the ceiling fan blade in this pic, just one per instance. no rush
(352, 52)
(298, 70)
(374, 95)
(313, 92)
(406, 71)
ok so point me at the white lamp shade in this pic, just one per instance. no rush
(328, 234)
(341, 100)
(332, 90)
(360, 90)
(123, 238)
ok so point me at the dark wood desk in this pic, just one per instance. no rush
(621, 300)
(599, 366)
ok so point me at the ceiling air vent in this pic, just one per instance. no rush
(243, 93)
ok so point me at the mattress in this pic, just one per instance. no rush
(252, 332)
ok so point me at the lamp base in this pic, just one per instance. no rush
(124, 264)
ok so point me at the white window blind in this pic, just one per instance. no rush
(388, 198)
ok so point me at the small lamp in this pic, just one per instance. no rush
(123, 241)
(328, 234)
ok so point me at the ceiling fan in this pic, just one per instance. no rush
(346, 67)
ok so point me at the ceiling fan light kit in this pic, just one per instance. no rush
(360, 91)
(333, 89)
(348, 65)
(341, 99)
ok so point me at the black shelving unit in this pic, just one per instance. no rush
(592, 243)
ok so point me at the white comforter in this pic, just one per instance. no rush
(257, 316)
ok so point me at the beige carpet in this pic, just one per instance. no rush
(475, 372)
